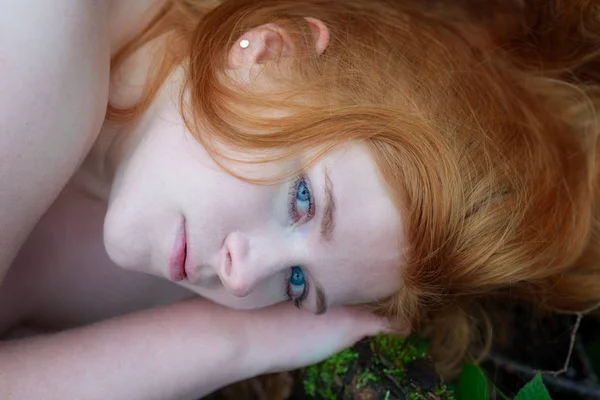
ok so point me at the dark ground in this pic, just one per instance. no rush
(529, 345)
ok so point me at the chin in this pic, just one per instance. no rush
(120, 248)
(120, 257)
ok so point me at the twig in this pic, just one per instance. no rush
(570, 352)
(580, 315)
(584, 312)
(551, 380)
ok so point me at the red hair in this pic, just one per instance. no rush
(481, 119)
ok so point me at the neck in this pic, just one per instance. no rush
(117, 141)
(127, 18)
(96, 173)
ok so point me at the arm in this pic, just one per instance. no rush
(182, 351)
(54, 66)
(178, 352)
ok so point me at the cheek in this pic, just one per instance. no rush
(233, 204)
(236, 206)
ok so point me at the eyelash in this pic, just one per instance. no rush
(292, 200)
(299, 300)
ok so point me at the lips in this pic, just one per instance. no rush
(178, 255)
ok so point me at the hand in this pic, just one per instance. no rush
(283, 337)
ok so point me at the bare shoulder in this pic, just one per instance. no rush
(54, 69)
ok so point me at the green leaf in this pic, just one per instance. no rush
(534, 390)
(472, 384)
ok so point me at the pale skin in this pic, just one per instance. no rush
(91, 257)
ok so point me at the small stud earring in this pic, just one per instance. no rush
(244, 44)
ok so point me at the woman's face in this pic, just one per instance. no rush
(329, 236)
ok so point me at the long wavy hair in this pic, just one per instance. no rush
(481, 117)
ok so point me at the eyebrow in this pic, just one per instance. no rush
(327, 227)
(321, 300)
(328, 219)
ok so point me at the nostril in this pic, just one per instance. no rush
(228, 262)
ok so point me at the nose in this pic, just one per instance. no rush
(246, 260)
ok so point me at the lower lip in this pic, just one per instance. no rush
(178, 256)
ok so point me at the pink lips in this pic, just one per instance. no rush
(178, 256)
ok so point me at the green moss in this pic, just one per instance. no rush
(444, 392)
(440, 391)
(391, 355)
(319, 379)
(397, 350)
(365, 377)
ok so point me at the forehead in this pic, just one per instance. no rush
(363, 261)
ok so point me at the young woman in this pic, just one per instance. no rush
(408, 159)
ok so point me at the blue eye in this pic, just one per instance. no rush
(302, 193)
(297, 277)
(296, 286)
(301, 204)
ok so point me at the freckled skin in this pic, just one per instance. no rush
(227, 217)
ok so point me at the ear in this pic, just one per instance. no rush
(321, 34)
(269, 41)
